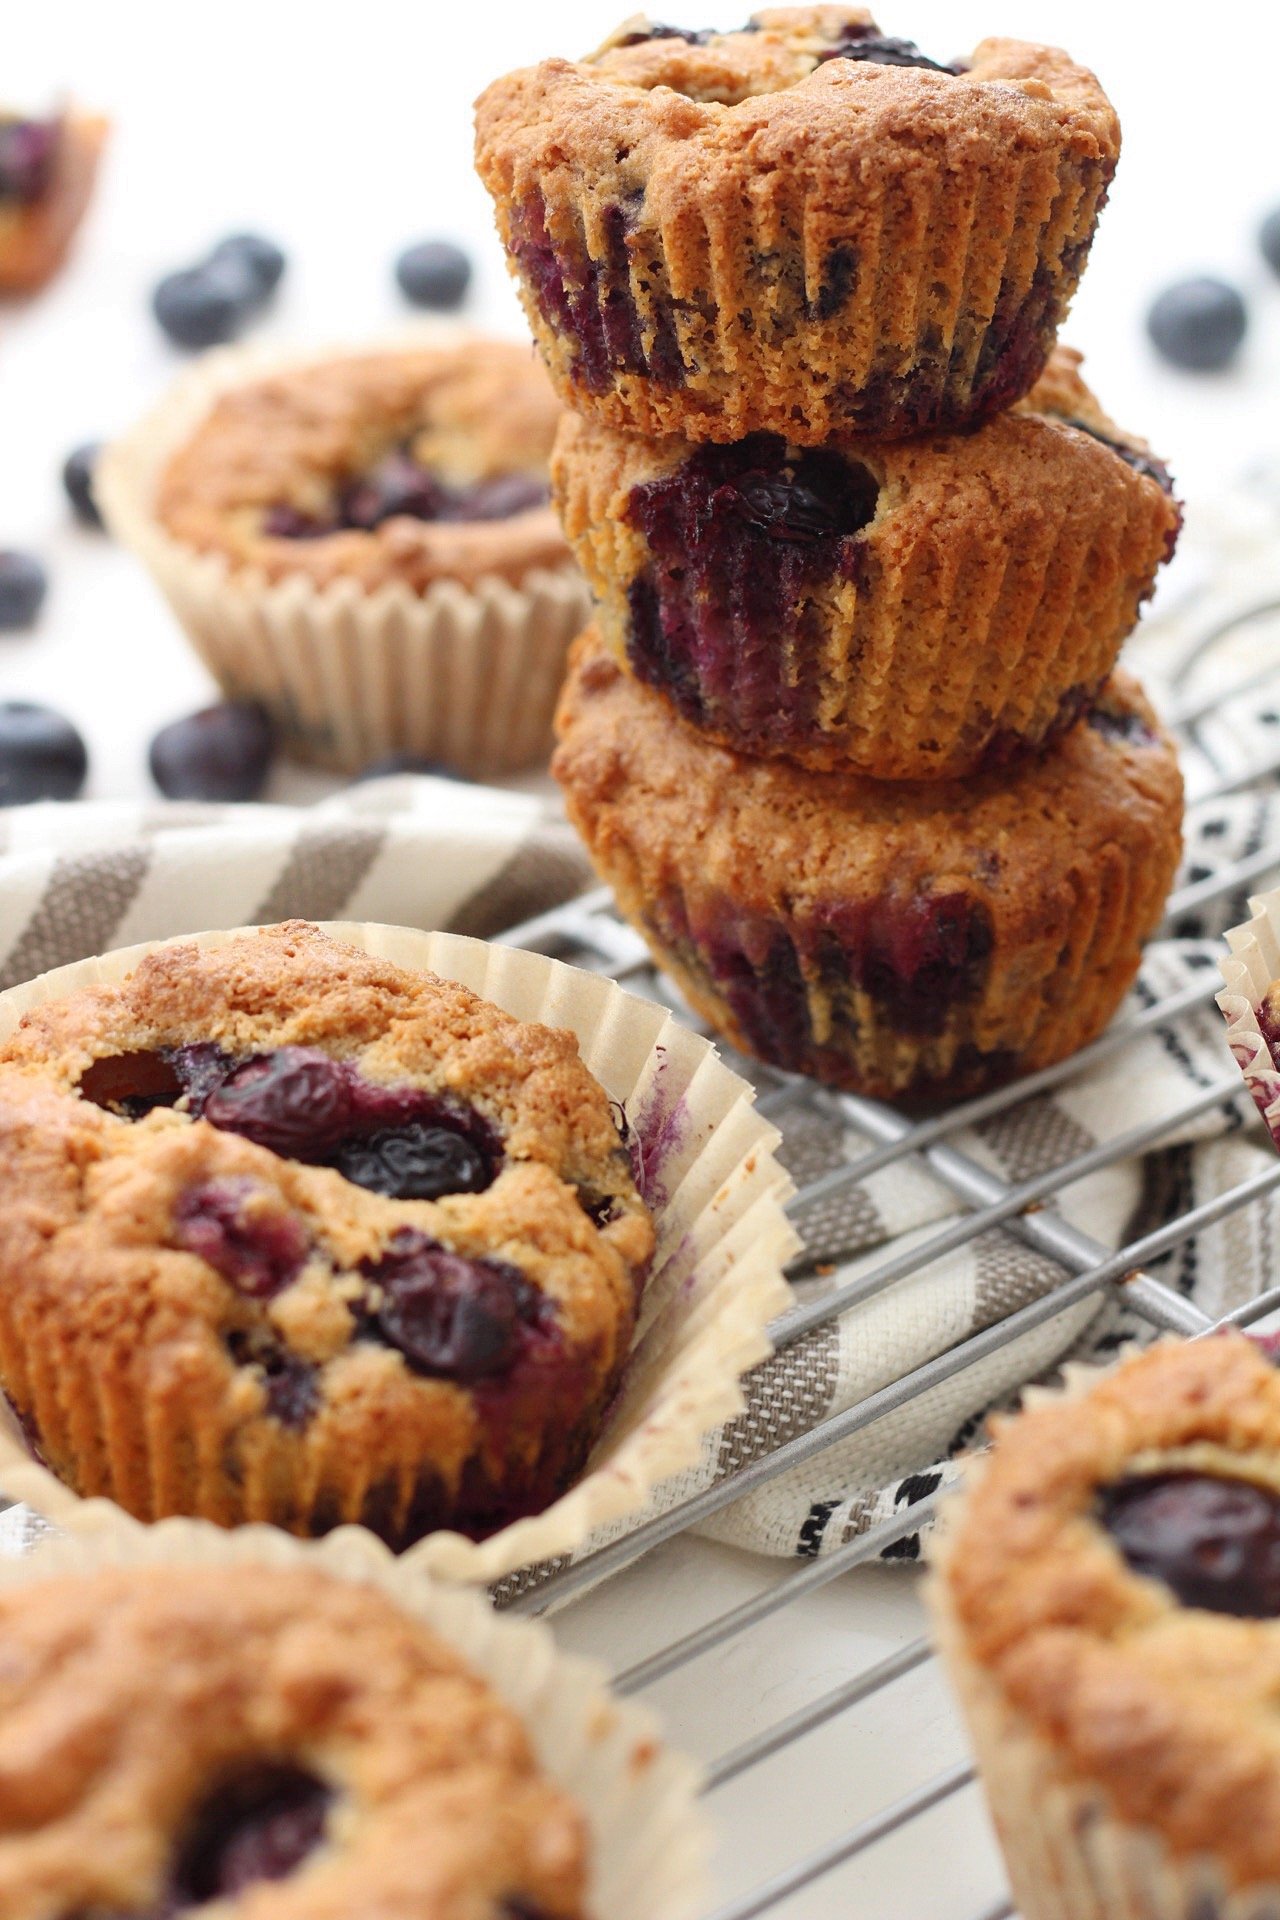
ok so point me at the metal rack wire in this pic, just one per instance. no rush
(589, 933)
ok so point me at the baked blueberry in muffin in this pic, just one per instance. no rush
(1107, 1595)
(269, 1739)
(804, 227)
(906, 609)
(905, 938)
(47, 169)
(288, 1233)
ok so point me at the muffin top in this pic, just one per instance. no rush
(1115, 1569)
(781, 839)
(813, 88)
(172, 1736)
(348, 1213)
(417, 466)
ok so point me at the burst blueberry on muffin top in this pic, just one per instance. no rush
(318, 1238)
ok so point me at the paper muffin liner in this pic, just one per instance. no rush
(466, 676)
(688, 283)
(1250, 969)
(707, 1170)
(650, 1842)
(1069, 1857)
(1001, 570)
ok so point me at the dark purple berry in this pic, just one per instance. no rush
(290, 1384)
(28, 150)
(23, 586)
(42, 757)
(1214, 1541)
(692, 36)
(414, 1162)
(200, 1068)
(289, 523)
(258, 1251)
(1269, 240)
(501, 497)
(1198, 324)
(1120, 724)
(398, 485)
(259, 1825)
(865, 43)
(221, 753)
(295, 1102)
(77, 479)
(434, 273)
(203, 306)
(446, 1313)
(259, 258)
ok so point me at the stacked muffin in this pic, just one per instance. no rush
(845, 737)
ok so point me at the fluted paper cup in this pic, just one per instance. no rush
(1250, 969)
(463, 675)
(649, 1842)
(708, 1171)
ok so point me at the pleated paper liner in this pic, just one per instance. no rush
(1252, 966)
(1068, 1856)
(723, 1239)
(466, 676)
(650, 1843)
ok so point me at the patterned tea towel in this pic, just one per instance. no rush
(78, 880)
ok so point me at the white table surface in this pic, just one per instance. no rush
(344, 133)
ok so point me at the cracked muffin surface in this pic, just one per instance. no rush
(290, 1233)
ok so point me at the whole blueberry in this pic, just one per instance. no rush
(260, 258)
(77, 479)
(434, 273)
(203, 306)
(23, 585)
(42, 757)
(1269, 240)
(1198, 324)
(221, 753)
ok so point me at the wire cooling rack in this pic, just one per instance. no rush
(589, 933)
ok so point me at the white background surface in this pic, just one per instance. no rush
(344, 133)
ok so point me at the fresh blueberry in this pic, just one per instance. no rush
(77, 478)
(42, 757)
(23, 585)
(260, 258)
(434, 273)
(1198, 324)
(220, 753)
(1269, 240)
(203, 306)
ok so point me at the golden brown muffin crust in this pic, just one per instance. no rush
(1170, 1710)
(127, 1699)
(469, 411)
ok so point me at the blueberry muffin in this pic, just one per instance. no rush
(422, 465)
(1104, 1593)
(905, 938)
(364, 545)
(288, 1233)
(278, 1741)
(908, 609)
(47, 171)
(803, 227)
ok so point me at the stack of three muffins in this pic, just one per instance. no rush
(845, 737)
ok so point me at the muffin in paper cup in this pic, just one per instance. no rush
(338, 538)
(1250, 1002)
(705, 1166)
(910, 610)
(1097, 1594)
(801, 227)
(648, 1843)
